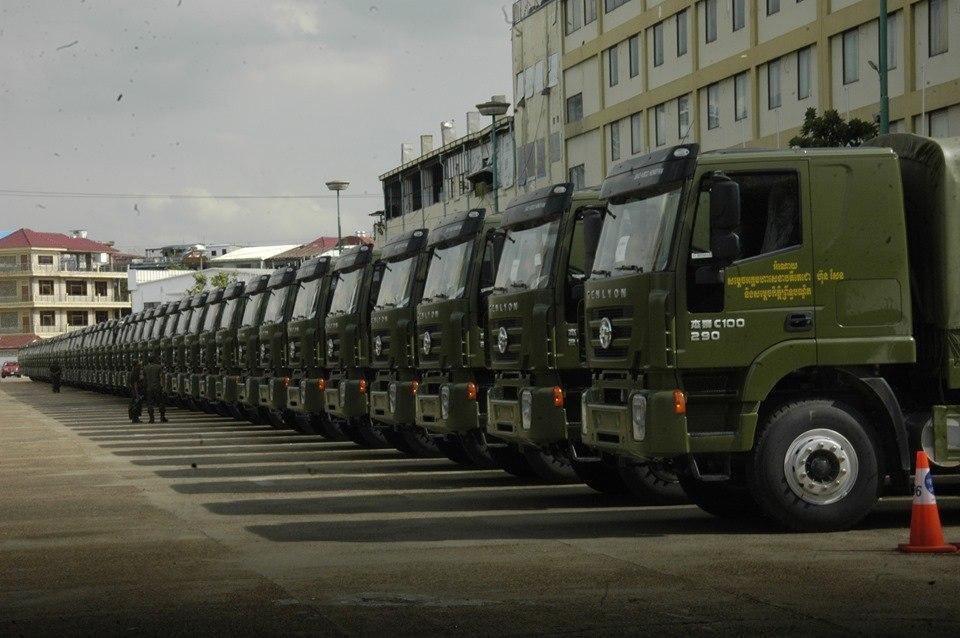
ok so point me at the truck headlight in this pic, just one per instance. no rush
(445, 402)
(526, 409)
(392, 396)
(638, 416)
(583, 415)
(292, 350)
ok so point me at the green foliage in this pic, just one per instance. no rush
(222, 279)
(199, 284)
(830, 130)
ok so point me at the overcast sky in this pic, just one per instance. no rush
(228, 97)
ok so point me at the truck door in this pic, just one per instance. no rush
(759, 309)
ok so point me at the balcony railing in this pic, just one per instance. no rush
(88, 298)
(68, 267)
(39, 329)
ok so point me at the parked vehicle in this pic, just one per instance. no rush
(246, 398)
(224, 314)
(10, 369)
(274, 356)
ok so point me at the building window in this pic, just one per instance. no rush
(45, 286)
(101, 315)
(851, 56)
(613, 65)
(48, 318)
(589, 11)
(683, 117)
(660, 123)
(610, 5)
(577, 177)
(634, 46)
(615, 141)
(77, 318)
(75, 287)
(740, 96)
(937, 27)
(575, 108)
(803, 73)
(658, 44)
(773, 6)
(636, 133)
(45, 260)
(574, 11)
(710, 25)
(682, 33)
(713, 106)
(938, 124)
(10, 321)
(100, 288)
(739, 11)
(773, 84)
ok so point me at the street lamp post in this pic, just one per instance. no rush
(496, 107)
(882, 71)
(338, 185)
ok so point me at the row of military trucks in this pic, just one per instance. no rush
(765, 333)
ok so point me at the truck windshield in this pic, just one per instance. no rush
(306, 306)
(278, 300)
(395, 288)
(447, 274)
(210, 321)
(195, 320)
(226, 317)
(527, 255)
(170, 326)
(345, 294)
(157, 329)
(636, 234)
(250, 312)
(184, 322)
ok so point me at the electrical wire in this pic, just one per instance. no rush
(7, 192)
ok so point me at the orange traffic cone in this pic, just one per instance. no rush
(926, 534)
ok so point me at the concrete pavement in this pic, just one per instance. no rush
(207, 525)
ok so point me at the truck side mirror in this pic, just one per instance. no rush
(724, 220)
(592, 227)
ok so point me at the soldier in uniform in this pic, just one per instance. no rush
(153, 387)
(55, 374)
(135, 385)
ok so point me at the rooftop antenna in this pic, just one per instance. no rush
(687, 132)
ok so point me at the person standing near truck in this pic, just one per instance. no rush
(135, 386)
(55, 377)
(153, 389)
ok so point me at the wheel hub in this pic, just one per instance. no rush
(821, 466)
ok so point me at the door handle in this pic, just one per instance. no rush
(798, 322)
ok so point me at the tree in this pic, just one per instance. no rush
(199, 284)
(830, 130)
(222, 279)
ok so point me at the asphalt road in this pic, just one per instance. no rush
(206, 525)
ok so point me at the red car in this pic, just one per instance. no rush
(10, 369)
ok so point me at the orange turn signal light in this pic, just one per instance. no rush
(286, 382)
(472, 391)
(321, 384)
(558, 399)
(414, 387)
(679, 402)
(363, 386)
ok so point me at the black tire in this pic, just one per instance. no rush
(723, 499)
(327, 427)
(452, 447)
(275, 419)
(397, 440)
(768, 479)
(477, 451)
(420, 442)
(550, 467)
(512, 461)
(652, 484)
(362, 432)
(602, 477)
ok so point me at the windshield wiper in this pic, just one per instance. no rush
(518, 284)
(498, 289)
(629, 267)
(386, 305)
(440, 295)
(436, 255)
(605, 273)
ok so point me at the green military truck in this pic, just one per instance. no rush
(393, 359)
(185, 345)
(224, 316)
(274, 359)
(307, 353)
(777, 326)
(233, 348)
(354, 286)
(163, 347)
(202, 351)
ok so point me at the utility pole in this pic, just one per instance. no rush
(882, 71)
(338, 185)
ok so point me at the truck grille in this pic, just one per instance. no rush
(265, 355)
(514, 335)
(621, 320)
(384, 354)
(436, 345)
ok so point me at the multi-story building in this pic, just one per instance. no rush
(51, 283)
(640, 74)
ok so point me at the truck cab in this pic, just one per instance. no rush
(307, 352)
(229, 350)
(199, 347)
(164, 345)
(185, 348)
(274, 361)
(248, 349)
(453, 357)
(222, 316)
(354, 287)
(534, 324)
(403, 264)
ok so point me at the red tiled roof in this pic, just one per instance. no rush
(15, 342)
(321, 245)
(26, 238)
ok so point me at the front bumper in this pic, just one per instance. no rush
(547, 424)
(463, 414)
(273, 393)
(248, 393)
(228, 389)
(343, 398)
(392, 401)
(305, 397)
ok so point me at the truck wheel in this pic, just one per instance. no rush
(477, 451)
(815, 467)
(652, 483)
(275, 419)
(327, 427)
(512, 461)
(396, 440)
(723, 499)
(452, 448)
(550, 467)
(362, 432)
(602, 477)
(418, 440)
